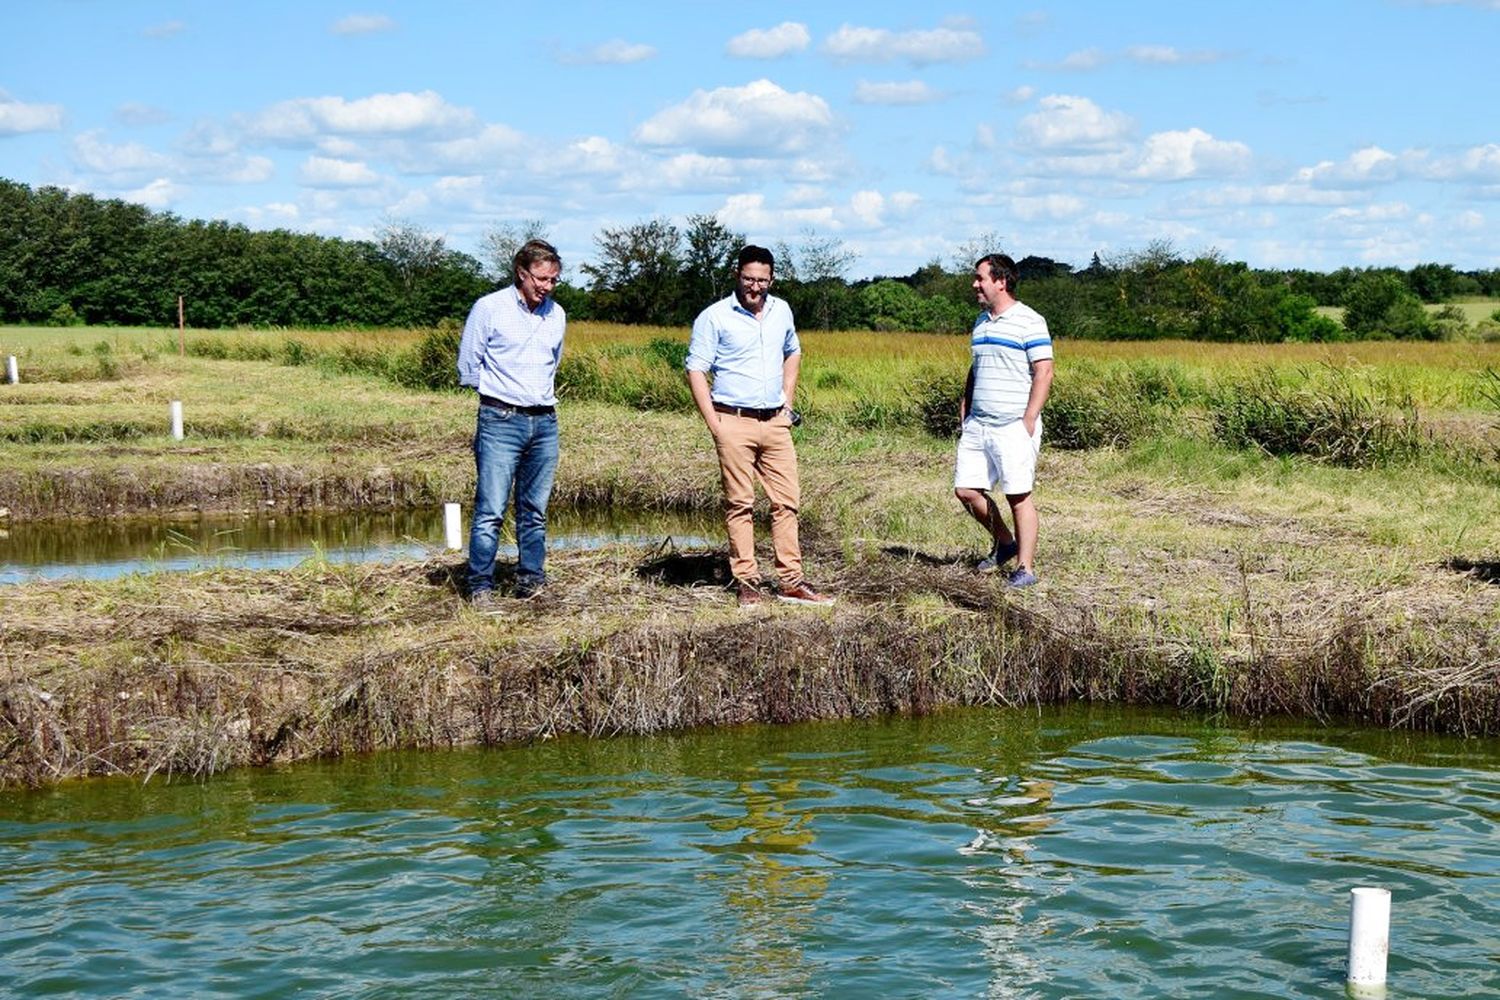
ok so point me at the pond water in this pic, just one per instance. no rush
(1068, 853)
(107, 548)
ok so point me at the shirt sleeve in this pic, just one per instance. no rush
(1039, 343)
(701, 347)
(469, 347)
(791, 345)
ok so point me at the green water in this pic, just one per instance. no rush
(105, 548)
(1067, 853)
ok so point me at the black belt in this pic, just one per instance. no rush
(530, 411)
(749, 411)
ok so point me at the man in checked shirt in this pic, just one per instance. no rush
(509, 352)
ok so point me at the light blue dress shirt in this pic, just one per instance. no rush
(509, 352)
(742, 353)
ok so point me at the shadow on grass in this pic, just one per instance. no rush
(672, 568)
(917, 556)
(1484, 570)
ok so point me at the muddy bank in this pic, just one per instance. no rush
(122, 489)
(196, 673)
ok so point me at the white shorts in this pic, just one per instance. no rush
(1005, 455)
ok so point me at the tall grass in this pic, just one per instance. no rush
(1348, 404)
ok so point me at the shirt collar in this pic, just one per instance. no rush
(540, 310)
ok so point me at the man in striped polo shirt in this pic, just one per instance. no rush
(1001, 414)
(509, 351)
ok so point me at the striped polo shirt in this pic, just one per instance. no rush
(1005, 347)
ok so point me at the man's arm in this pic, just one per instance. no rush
(791, 365)
(698, 383)
(965, 400)
(1041, 384)
(469, 346)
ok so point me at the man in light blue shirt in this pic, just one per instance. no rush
(509, 352)
(748, 344)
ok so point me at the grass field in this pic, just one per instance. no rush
(1475, 311)
(1177, 566)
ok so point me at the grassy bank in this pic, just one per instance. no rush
(1349, 577)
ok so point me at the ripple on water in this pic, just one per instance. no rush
(1071, 853)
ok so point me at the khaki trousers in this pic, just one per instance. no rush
(750, 450)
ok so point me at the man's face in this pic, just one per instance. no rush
(537, 281)
(753, 283)
(987, 289)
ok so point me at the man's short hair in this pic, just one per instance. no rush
(535, 252)
(1001, 268)
(753, 254)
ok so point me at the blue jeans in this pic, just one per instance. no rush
(511, 450)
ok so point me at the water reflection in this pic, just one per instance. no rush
(1068, 853)
(112, 547)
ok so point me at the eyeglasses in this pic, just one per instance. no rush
(550, 279)
(756, 282)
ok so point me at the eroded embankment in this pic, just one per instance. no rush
(196, 673)
(117, 488)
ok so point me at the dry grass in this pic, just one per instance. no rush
(193, 673)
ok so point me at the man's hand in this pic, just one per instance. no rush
(1028, 422)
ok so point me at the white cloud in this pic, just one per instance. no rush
(1020, 95)
(615, 52)
(908, 92)
(1166, 55)
(158, 194)
(165, 30)
(868, 207)
(1190, 153)
(362, 24)
(1049, 207)
(275, 213)
(1369, 165)
(1083, 60)
(135, 113)
(17, 117)
(379, 114)
(92, 151)
(902, 202)
(325, 172)
(689, 172)
(1067, 122)
(748, 214)
(492, 146)
(920, 48)
(769, 43)
(757, 119)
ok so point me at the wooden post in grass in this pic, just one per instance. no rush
(181, 344)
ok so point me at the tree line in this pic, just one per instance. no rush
(70, 258)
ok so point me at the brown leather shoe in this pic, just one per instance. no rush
(801, 593)
(750, 594)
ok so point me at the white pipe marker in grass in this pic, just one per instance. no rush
(11, 371)
(176, 420)
(1369, 939)
(453, 533)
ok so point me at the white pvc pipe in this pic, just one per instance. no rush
(11, 371)
(1369, 938)
(176, 420)
(453, 526)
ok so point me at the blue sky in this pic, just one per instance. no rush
(1313, 134)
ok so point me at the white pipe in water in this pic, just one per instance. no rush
(453, 527)
(176, 420)
(1369, 939)
(11, 371)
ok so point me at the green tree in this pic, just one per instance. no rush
(637, 278)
